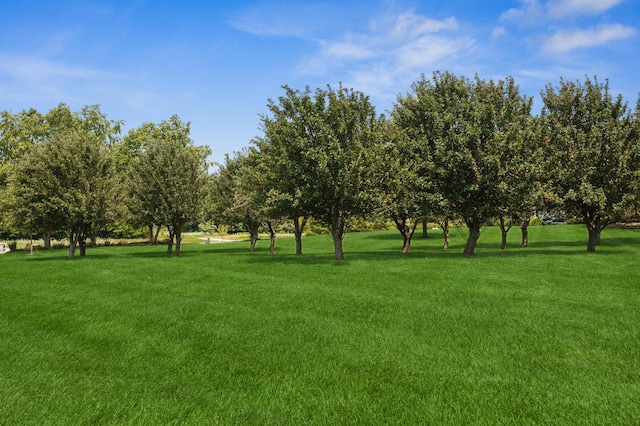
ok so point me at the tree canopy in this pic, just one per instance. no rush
(588, 140)
(453, 149)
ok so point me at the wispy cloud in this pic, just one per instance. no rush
(393, 50)
(278, 19)
(530, 13)
(562, 8)
(565, 41)
(534, 12)
(33, 68)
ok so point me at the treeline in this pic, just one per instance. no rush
(452, 149)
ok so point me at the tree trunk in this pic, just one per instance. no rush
(406, 230)
(474, 233)
(253, 236)
(178, 236)
(425, 225)
(170, 243)
(154, 239)
(594, 226)
(272, 237)
(94, 239)
(47, 240)
(299, 224)
(337, 231)
(337, 246)
(151, 240)
(72, 245)
(525, 232)
(593, 239)
(445, 232)
(82, 242)
(504, 230)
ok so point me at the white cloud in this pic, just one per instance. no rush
(562, 8)
(390, 52)
(347, 50)
(498, 32)
(32, 68)
(533, 12)
(412, 25)
(565, 41)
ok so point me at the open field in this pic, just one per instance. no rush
(544, 335)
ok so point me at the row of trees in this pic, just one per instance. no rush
(452, 148)
(71, 172)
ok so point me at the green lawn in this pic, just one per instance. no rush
(544, 335)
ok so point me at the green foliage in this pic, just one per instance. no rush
(319, 155)
(469, 135)
(64, 183)
(57, 166)
(167, 178)
(237, 195)
(590, 143)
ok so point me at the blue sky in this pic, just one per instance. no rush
(216, 63)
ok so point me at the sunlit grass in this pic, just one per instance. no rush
(544, 335)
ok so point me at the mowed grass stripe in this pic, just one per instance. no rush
(546, 334)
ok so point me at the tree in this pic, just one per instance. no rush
(403, 183)
(327, 139)
(66, 182)
(18, 134)
(27, 131)
(142, 209)
(238, 198)
(287, 171)
(168, 179)
(588, 138)
(465, 126)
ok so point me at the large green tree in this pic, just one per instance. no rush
(167, 179)
(403, 182)
(589, 142)
(66, 182)
(466, 126)
(18, 134)
(327, 140)
(21, 134)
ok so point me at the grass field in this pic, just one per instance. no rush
(128, 335)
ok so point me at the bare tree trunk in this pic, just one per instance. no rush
(170, 243)
(151, 239)
(504, 229)
(272, 237)
(595, 227)
(72, 245)
(154, 240)
(425, 231)
(446, 234)
(47, 240)
(299, 224)
(253, 235)
(178, 236)
(82, 242)
(94, 239)
(337, 231)
(474, 233)
(525, 232)
(406, 230)
(593, 239)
